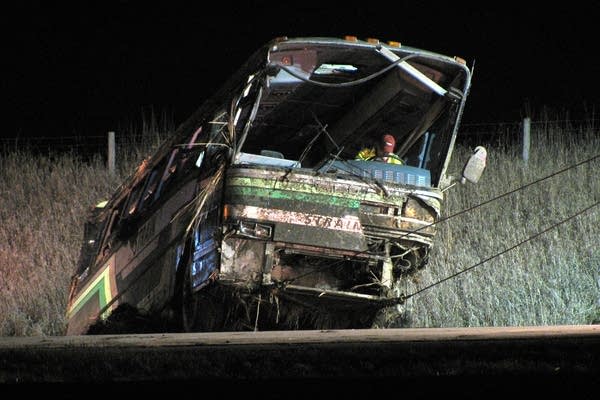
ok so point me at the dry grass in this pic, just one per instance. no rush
(551, 280)
(45, 199)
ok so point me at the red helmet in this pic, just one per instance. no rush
(388, 143)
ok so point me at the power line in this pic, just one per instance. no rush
(505, 194)
(403, 298)
(320, 268)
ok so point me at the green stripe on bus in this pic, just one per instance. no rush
(99, 287)
(326, 199)
(307, 188)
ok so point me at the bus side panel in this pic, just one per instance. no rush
(147, 275)
(96, 297)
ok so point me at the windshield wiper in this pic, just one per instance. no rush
(323, 129)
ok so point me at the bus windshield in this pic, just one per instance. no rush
(323, 101)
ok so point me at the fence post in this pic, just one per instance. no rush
(111, 152)
(526, 138)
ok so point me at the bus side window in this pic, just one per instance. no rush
(133, 200)
(186, 158)
(149, 188)
(148, 195)
(186, 161)
(112, 225)
(93, 231)
(128, 218)
(168, 173)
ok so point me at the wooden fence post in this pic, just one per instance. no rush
(526, 138)
(111, 152)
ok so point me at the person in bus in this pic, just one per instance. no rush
(382, 151)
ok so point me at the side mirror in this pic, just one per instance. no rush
(474, 166)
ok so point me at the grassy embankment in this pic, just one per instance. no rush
(551, 280)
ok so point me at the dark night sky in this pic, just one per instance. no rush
(84, 69)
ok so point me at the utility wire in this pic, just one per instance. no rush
(404, 297)
(504, 194)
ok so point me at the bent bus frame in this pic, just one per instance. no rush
(255, 214)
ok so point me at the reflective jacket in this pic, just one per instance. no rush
(369, 154)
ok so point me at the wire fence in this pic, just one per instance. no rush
(82, 147)
(510, 133)
(507, 133)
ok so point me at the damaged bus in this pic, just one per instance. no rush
(256, 215)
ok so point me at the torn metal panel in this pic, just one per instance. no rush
(242, 262)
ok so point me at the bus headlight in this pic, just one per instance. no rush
(254, 230)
